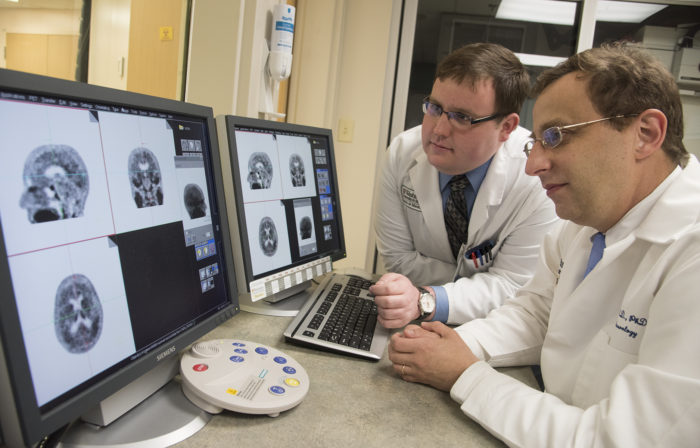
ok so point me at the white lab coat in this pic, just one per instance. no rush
(619, 351)
(511, 209)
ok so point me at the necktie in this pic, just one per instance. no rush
(596, 252)
(456, 213)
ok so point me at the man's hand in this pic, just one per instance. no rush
(432, 354)
(396, 299)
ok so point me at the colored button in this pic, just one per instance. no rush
(238, 344)
(261, 351)
(293, 382)
(280, 360)
(237, 358)
(200, 367)
(289, 369)
(276, 390)
(231, 391)
(242, 351)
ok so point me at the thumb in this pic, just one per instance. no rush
(436, 327)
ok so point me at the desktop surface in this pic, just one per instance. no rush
(351, 402)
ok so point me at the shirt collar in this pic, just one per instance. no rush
(475, 176)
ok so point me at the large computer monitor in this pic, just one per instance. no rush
(285, 210)
(114, 250)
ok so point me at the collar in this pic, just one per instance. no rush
(475, 176)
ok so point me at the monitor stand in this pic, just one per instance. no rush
(165, 418)
(284, 303)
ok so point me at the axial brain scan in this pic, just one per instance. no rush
(259, 171)
(305, 228)
(296, 170)
(78, 315)
(56, 184)
(194, 201)
(145, 178)
(268, 236)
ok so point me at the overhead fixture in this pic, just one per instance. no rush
(564, 12)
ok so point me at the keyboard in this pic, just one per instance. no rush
(340, 316)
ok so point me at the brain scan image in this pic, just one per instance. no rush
(145, 178)
(78, 317)
(259, 171)
(56, 184)
(268, 236)
(296, 170)
(195, 204)
(305, 228)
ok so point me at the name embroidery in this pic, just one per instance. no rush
(633, 321)
(409, 199)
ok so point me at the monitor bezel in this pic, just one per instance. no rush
(231, 123)
(21, 407)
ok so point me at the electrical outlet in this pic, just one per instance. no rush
(346, 128)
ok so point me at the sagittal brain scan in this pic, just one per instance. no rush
(296, 170)
(77, 314)
(195, 204)
(56, 184)
(145, 178)
(268, 236)
(259, 171)
(305, 228)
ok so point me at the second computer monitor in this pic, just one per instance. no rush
(286, 203)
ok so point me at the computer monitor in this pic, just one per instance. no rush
(114, 249)
(285, 210)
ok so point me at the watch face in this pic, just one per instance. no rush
(427, 303)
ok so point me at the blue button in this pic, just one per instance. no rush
(242, 351)
(261, 351)
(290, 370)
(237, 358)
(238, 344)
(276, 390)
(280, 360)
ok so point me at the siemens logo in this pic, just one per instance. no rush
(162, 355)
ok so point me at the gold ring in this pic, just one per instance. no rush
(403, 366)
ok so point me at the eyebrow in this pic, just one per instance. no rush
(461, 111)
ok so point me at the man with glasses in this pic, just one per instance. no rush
(455, 205)
(612, 311)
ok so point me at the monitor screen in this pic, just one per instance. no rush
(286, 204)
(114, 247)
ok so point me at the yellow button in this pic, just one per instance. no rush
(232, 391)
(292, 382)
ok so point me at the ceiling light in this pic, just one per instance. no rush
(625, 12)
(541, 11)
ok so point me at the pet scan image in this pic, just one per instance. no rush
(145, 178)
(195, 204)
(259, 171)
(305, 228)
(268, 236)
(56, 184)
(296, 170)
(78, 317)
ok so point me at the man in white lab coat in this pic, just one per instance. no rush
(618, 346)
(470, 127)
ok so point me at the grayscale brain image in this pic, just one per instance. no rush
(296, 170)
(305, 228)
(78, 317)
(195, 203)
(259, 171)
(56, 184)
(268, 236)
(145, 178)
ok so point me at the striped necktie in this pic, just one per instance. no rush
(456, 219)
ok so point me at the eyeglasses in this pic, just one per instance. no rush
(458, 119)
(552, 137)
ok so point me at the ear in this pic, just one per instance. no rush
(508, 125)
(651, 131)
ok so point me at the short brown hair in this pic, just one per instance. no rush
(625, 79)
(483, 61)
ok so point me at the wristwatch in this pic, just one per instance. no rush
(426, 303)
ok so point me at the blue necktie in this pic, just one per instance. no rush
(596, 252)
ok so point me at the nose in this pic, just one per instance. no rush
(538, 161)
(442, 125)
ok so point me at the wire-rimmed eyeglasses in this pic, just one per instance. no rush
(458, 119)
(552, 137)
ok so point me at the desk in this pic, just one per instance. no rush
(351, 403)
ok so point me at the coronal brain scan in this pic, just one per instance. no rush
(296, 170)
(268, 236)
(145, 178)
(78, 315)
(56, 184)
(195, 204)
(259, 171)
(305, 228)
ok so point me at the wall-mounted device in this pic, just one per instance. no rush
(278, 56)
